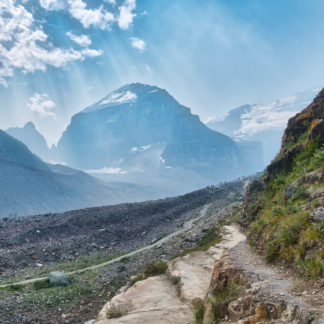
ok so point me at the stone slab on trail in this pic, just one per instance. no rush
(153, 300)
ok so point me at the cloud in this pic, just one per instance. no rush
(82, 40)
(90, 17)
(25, 46)
(53, 4)
(138, 43)
(42, 105)
(97, 17)
(126, 14)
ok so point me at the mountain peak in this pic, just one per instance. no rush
(30, 124)
(126, 94)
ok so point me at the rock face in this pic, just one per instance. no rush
(31, 138)
(141, 128)
(264, 123)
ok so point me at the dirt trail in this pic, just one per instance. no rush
(278, 283)
(156, 300)
(186, 227)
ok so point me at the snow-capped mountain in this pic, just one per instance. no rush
(31, 137)
(264, 123)
(142, 129)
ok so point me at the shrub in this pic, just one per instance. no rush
(290, 234)
(199, 311)
(272, 251)
(277, 211)
(210, 237)
(154, 269)
(42, 284)
(300, 193)
(312, 267)
(115, 311)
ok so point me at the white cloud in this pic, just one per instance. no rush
(82, 40)
(90, 17)
(126, 14)
(42, 105)
(52, 4)
(29, 48)
(138, 43)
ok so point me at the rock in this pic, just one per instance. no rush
(58, 278)
(318, 214)
(260, 314)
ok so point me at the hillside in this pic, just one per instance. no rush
(284, 209)
(30, 186)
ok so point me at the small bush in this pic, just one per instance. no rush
(277, 211)
(199, 311)
(272, 251)
(154, 269)
(42, 284)
(290, 234)
(300, 193)
(210, 237)
(14, 288)
(312, 267)
(175, 280)
(117, 311)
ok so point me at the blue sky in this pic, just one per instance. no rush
(58, 56)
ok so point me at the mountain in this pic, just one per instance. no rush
(284, 209)
(265, 123)
(30, 136)
(30, 186)
(141, 129)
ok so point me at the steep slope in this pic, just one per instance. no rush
(30, 136)
(265, 123)
(284, 210)
(29, 186)
(141, 128)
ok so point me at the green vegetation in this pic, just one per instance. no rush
(199, 311)
(281, 222)
(117, 311)
(151, 269)
(211, 237)
(64, 266)
(42, 284)
(43, 296)
(155, 269)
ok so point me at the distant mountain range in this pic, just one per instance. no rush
(30, 186)
(30, 136)
(141, 132)
(265, 123)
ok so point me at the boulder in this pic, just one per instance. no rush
(58, 278)
(318, 214)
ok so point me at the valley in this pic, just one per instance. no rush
(159, 230)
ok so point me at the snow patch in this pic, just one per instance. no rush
(141, 148)
(108, 171)
(119, 97)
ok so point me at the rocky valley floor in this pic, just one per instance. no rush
(32, 247)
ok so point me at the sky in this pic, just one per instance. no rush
(59, 56)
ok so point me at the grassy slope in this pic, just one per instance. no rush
(282, 225)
